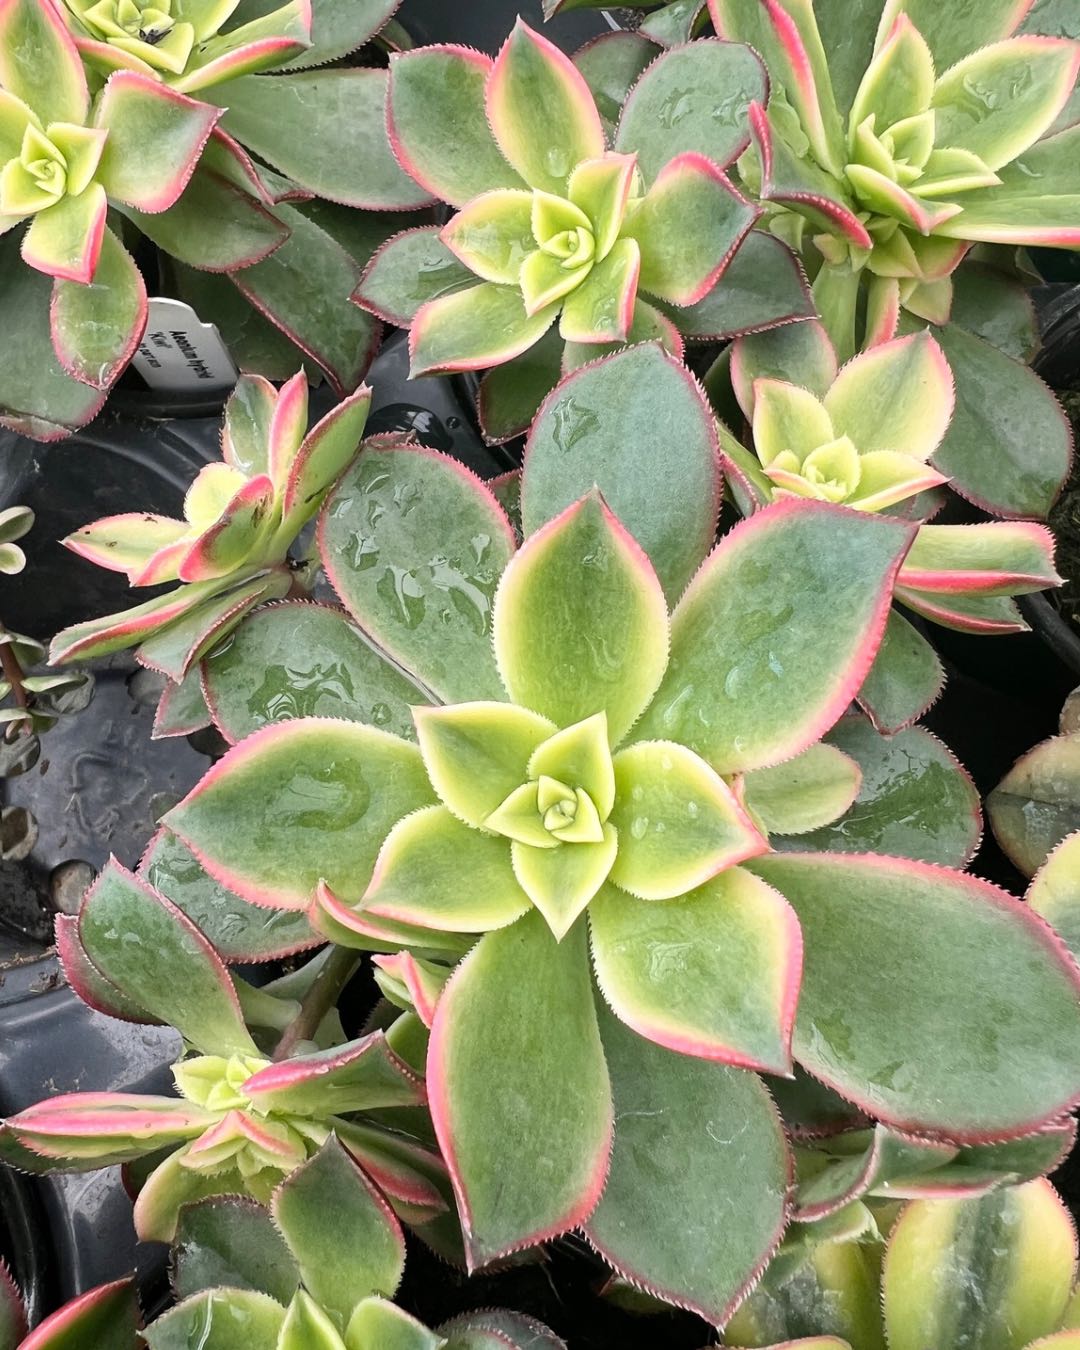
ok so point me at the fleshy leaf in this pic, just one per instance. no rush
(673, 108)
(582, 595)
(804, 793)
(414, 545)
(742, 688)
(541, 111)
(359, 1075)
(561, 881)
(435, 872)
(906, 678)
(693, 1138)
(379, 1323)
(679, 823)
(553, 1089)
(106, 1318)
(133, 935)
(410, 269)
(714, 973)
(475, 328)
(799, 353)
(1037, 804)
(939, 1267)
(95, 330)
(298, 802)
(916, 943)
(361, 1253)
(664, 488)
(39, 63)
(438, 125)
(993, 558)
(1055, 892)
(64, 241)
(212, 1317)
(233, 1242)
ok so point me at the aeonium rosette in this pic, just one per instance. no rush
(590, 794)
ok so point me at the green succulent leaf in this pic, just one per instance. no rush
(475, 328)
(798, 353)
(133, 935)
(378, 1323)
(763, 285)
(713, 973)
(561, 881)
(106, 1317)
(361, 1253)
(409, 270)
(1055, 891)
(232, 1241)
(313, 662)
(580, 622)
(941, 1274)
(414, 544)
(917, 943)
(438, 123)
(221, 1318)
(953, 36)
(95, 330)
(612, 64)
(551, 1087)
(672, 109)
(435, 872)
(511, 394)
(299, 802)
(742, 688)
(804, 793)
(664, 488)
(693, 1138)
(1037, 804)
(906, 678)
(40, 64)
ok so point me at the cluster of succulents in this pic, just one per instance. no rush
(608, 772)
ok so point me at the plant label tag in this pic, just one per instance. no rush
(181, 354)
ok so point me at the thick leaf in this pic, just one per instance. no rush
(541, 111)
(495, 1328)
(214, 225)
(744, 687)
(638, 427)
(106, 1318)
(994, 558)
(999, 1268)
(674, 107)
(303, 288)
(1009, 447)
(409, 270)
(435, 872)
(906, 678)
(475, 328)
(995, 306)
(953, 35)
(239, 931)
(524, 1122)
(336, 147)
(511, 394)
(181, 709)
(231, 1241)
(438, 124)
(86, 981)
(693, 1141)
(967, 613)
(414, 545)
(896, 949)
(39, 63)
(95, 329)
(714, 973)
(561, 881)
(222, 1319)
(1037, 804)
(361, 1253)
(762, 285)
(174, 648)
(580, 621)
(915, 801)
(155, 955)
(612, 65)
(1055, 892)
(359, 1075)
(803, 793)
(341, 26)
(377, 1322)
(299, 802)
(799, 353)
(688, 225)
(311, 662)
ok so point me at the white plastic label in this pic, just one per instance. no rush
(180, 354)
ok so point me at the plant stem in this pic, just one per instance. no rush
(319, 999)
(13, 672)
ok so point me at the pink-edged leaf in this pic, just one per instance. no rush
(421, 984)
(98, 1129)
(125, 543)
(410, 269)
(484, 325)
(438, 126)
(138, 112)
(554, 1088)
(287, 427)
(350, 927)
(84, 978)
(401, 1168)
(225, 545)
(601, 309)
(13, 1326)
(99, 637)
(96, 329)
(106, 1318)
(245, 437)
(359, 1076)
(181, 709)
(541, 110)
(689, 226)
(691, 1138)
(244, 59)
(324, 454)
(762, 693)
(299, 801)
(154, 954)
(64, 241)
(918, 943)
(738, 984)
(964, 611)
(994, 558)
(39, 62)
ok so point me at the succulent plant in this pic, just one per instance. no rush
(561, 248)
(578, 785)
(231, 551)
(957, 1273)
(242, 1120)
